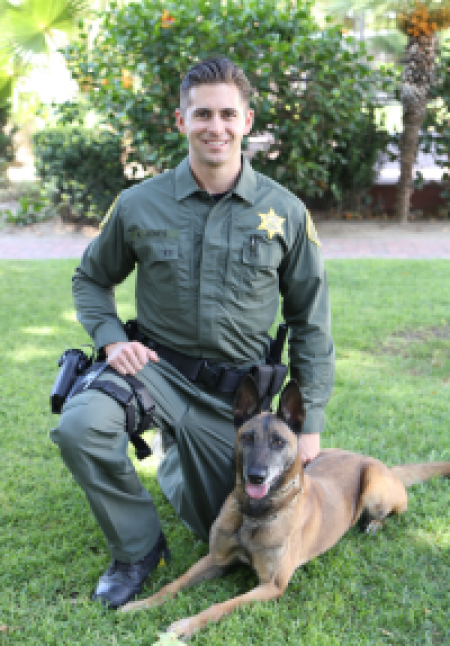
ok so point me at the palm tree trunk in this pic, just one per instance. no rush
(417, 77)
(412, 122)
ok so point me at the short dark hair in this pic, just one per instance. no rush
(211, 71)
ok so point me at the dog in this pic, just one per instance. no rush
(280, 516)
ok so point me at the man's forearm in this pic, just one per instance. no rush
(96, 310)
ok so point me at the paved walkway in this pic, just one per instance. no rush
(339, 240)
(415, 249)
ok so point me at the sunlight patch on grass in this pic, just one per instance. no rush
(38, 331)
(357, 358)
(439, 537)
(28, 353)
(69, 316)
(147, 467)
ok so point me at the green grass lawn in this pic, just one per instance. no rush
(391, 326)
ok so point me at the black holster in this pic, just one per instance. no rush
(78, 373)
(73, 363)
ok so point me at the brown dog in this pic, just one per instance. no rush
(278, 517)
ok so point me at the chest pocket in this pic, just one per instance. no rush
(259, 265)
(165, 265)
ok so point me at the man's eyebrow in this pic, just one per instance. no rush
(208, 110)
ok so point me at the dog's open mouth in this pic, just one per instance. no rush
(260, 490)
(256, 491)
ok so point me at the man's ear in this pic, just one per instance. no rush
(179, 120)
(290, 407)
(249, 119)
(246, 401)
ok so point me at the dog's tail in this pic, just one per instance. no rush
(411, 474)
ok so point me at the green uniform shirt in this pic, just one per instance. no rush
(209, 275)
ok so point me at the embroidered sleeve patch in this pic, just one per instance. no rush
(108, 214)
(311, 230)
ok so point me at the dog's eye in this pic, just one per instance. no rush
(277, 442)
(247, 438)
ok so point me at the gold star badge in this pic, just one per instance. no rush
(271, 223)
(311, 230)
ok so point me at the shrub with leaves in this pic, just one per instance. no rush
(363, 155)
(309, 85)
(80, 169)
(7, 148)
(30, 210)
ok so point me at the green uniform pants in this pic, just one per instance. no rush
(196, 474)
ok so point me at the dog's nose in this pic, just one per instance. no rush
(257, 476)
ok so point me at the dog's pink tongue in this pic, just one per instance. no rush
(256, 491)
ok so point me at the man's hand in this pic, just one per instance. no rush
(309, 447)
(129, 357)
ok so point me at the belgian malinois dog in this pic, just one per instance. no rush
(279, 516)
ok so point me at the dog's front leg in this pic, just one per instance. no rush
(190, 625)
(202, 570)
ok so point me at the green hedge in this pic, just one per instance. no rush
(79, 168)
(311, 85)
(7, 147)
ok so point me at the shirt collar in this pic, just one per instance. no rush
(186, 185)
(246, 186)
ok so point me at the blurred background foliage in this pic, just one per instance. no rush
(315, 90)
(319, 96)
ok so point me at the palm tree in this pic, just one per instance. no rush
(419, 21)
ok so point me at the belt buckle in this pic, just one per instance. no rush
(210, 375)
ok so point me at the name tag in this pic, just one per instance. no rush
(153, 234)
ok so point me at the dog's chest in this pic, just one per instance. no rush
(258, 549)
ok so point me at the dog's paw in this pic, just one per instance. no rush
(133, 606)
(183, 627)
(373, 526)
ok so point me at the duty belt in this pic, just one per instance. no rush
(269, 377)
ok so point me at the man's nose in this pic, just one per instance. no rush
(216, 124)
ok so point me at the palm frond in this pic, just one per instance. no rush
(27, 25)
(6, 85)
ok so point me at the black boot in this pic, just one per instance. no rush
(123, 581)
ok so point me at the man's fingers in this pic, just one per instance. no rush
(129, 358)
(152, 356)
(309, 447)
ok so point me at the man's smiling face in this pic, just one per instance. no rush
(214, 122)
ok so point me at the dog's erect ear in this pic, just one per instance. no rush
(246, 401)
(290, 408)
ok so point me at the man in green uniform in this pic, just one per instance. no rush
(214, 243)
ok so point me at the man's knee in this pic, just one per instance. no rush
(88, 420)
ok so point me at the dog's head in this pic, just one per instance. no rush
(266, 444)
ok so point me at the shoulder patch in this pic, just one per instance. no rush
(109, 213)
(311, 230)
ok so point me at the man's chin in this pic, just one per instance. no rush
(216, 163)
